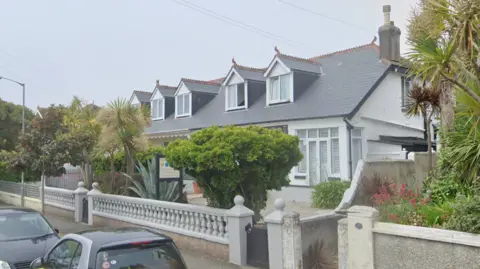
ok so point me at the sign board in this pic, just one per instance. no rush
(166, 171)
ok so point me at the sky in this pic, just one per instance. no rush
(100, 50)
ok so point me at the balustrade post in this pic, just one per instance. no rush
(79, 195)
(360, 222)
(274, 222)
(239, 217)
(95, 191)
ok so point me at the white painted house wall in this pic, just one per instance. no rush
(382, 114)
(134, 100)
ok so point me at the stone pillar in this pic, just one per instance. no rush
(80, 193)
(238, 219)
(292, 241)
(95, 190)
(274, 223)
(343, 243)
(361, 220)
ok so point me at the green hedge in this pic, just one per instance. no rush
(7, 175)
(329, 194)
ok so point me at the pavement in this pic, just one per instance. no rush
(193, 260)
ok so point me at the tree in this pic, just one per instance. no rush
(444, 36)
(124, 124)
(423, 100)
(236, 160)
(11, 124)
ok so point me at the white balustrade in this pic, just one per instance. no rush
(191, 220)
(60, 198)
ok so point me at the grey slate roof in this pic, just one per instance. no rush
(347, 78)
(299, 64)
(143, 97)
(202, 86)
(248, 73)
(166, 91)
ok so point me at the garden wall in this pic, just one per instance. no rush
(377, 245)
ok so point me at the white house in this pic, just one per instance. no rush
(344, 106)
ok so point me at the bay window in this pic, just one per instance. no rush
(279, 89)
(235, 95)
(157, 109)
(321, 154)
(182, 102)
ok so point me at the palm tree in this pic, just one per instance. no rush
(423, 100)
(124, 123)
(444, 36)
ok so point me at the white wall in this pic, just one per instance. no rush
(235, 79)
(157, 95)
(382, 114)
(183, 89)
(135, 100)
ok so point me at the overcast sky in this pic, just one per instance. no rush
(103, 49)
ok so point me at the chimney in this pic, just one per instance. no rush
(389, 37)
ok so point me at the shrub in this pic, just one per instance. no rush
(404, 206)
(329, 194)
(318, 257)
(234, 160)
(466, 215)
(443, 189)
(370, 186)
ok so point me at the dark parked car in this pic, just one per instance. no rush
(125, 248)
(24, 235)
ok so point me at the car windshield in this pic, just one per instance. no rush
(19, 226)
(165, 256)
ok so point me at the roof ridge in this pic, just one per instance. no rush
(371, 44)
(139, 91)
(209, 82)
(165, 86)
(251, 68)
(298, 58)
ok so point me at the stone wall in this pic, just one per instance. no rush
(322, 228)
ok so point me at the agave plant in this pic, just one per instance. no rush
(168, 190)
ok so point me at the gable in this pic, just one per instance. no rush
(156, 95)
(235, 78)
(277, 68)
(134, 100)
(182, 89)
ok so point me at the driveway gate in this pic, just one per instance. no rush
(257, 246)
(85, 210)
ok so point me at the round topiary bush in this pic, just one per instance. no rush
(329, 194)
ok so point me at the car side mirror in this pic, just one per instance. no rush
(37, 263)
(56, 230)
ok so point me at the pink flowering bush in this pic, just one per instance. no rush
(401, 205)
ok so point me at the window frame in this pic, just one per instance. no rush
(360, 138)
(79, 246)
(270, 89)
(405, 81)
(317, 141)
(183, 114)
(162, 110)
(227, 96)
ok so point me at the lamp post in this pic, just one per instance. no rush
(22, 202)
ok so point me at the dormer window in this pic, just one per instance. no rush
(236, 95)
(158, 109)
(279, 89)
(183, 105)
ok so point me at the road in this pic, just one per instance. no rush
(193, 260)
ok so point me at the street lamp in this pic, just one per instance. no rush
(22, 202)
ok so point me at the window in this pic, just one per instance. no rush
(357, 152)
(157, 109)
(279, 89)
(235, 95)
(18, 226)
(66, 253)
(406, 88)
(183, 105)
(321, 154)
(165, 256)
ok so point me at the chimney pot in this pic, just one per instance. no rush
(386, 14)
(158, 81)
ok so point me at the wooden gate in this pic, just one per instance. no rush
(257, 246)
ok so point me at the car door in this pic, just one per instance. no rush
(65, 255)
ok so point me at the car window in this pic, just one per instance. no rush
(64, 255)
(165, 256)
(28, 225)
